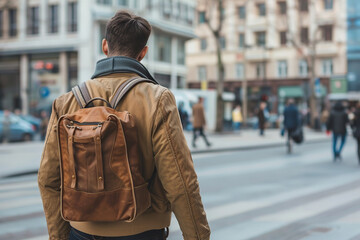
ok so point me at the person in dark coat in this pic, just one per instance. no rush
(336, 123)
(184, 116)
(262, 118)
(291, 121)
(355, 125)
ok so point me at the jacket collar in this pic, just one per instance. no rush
(120, 64)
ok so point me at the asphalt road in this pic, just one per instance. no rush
(255, 194)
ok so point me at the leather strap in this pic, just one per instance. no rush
(125, 87)
(82, 95)
(71, 157)
(99, 161)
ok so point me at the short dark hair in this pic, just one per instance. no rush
(127, 34)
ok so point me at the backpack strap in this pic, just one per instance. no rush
(82, 95)
(125, 87)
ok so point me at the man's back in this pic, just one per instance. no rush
(198, 115)
(161, 147)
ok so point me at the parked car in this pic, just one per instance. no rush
(36, 122)
(20, 130)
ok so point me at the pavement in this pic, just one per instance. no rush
(24, 158)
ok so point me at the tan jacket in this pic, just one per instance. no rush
(198, 116)
(165, 158)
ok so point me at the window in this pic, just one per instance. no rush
(104, 2)
(283, 39)
(202, 17)
(242, 12)
(328, 4)
(260, 70)
(203, 44)
(222, 42)
(167, 5)
(327, 67)
(33, 20)
(12, 22)
(240, 71)
(181, 52)
(53, 19)
(304, 35)
(72, 17)
(303, 68)
(282, 7)
(303, 5)
(190, 15)
(282, 69)
(1, 23)
(241, 40)
(261, 9)
(163, 48)
(202, 73)
(126, 3)
(326, 32)
(260, 39)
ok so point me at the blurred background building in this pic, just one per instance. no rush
(353, 14)
(267, 43)
(48, 46)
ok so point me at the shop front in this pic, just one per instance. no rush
(10, 83)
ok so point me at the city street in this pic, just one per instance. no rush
(254, 194)
(248, 194)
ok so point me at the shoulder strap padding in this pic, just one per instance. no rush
(82, 95)
(125, 87)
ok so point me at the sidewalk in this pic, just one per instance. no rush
(23, 158)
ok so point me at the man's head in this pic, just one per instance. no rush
(291, 101)
(126, 35)
(200, 99)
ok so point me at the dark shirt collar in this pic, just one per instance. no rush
(120, 64)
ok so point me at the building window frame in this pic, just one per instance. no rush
(282, 68)
(327, 33)
(303, 5)
(242, 40)
(12, 22)
(328, 4)
(53, 12)
(240, 71)
(72, 18)
(304, 35)
(202, 17)
(327, 67)
(260, 38)
(282, 7)
(303, 68)
(283, 38)
(242, 12)
(260, 70)
(33, 20)
(202, 73)
(261, 9)
(222, 42)
(203, 44)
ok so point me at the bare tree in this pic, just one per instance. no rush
(216, 32)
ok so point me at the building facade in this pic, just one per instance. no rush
(353, 50)
(48, 46)
(268, 44)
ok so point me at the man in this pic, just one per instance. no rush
(262, 118)
(291, 122)
(199, 122)
(166, 161)
(336, 123)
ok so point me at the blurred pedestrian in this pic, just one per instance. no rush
(262, 118)
(336, 123)
(324, 118)
(184, 116)
(6, 126)
(44, 124)
(355, 125)
(199, 122)
(237, 118)
(291, 122)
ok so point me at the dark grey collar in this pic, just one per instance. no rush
(120, 64)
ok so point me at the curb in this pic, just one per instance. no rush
(209, 150)
(252, 147)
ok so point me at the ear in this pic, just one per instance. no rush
(142, 53)
(105, 47)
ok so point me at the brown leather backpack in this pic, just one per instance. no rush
(100, 170)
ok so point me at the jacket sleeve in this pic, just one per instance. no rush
(49, 182)
(176, 170)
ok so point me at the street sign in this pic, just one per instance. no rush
(44, 92)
